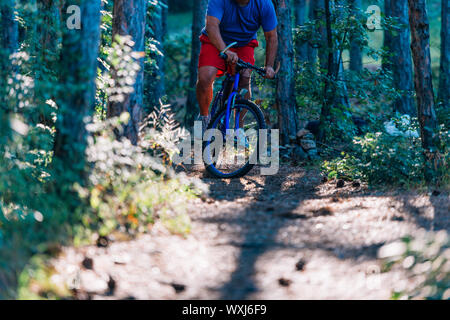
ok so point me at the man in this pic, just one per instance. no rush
(229, 21)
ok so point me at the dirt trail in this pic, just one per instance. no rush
(289, 236)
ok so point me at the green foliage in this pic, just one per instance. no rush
(381, 158)
(177, 48)
(361, 93)
(179, 5)
(120, 67)
(392, 156)
(39, 281)
(426, 260)
(129, 189)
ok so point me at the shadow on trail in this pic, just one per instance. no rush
(258, 238)
(440, 219)
(274, 206)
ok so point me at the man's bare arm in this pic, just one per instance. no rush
(271, 52)
(213, 30)
(271, 47)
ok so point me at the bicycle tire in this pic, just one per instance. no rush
(210, 169)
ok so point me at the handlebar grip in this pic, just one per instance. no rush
(223, 55)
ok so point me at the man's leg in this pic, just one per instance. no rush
(245, 83)
(206, 77)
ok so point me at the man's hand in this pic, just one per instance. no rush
(270, 73)
(232, 57)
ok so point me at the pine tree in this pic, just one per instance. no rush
(285, 98)
(356, 55)
(129, 19)
(9, 43)
(444, 75)
(78, 69)
(420, 34)
(199, 14)
(154, 74)
(301, 49)
(400, 60)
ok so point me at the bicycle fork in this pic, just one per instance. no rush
(231, 101)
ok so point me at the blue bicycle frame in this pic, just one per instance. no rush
(231, 101)
(234, 93)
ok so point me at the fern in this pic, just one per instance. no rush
(161, 133)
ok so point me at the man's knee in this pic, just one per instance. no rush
(244, 82)
(206, 77)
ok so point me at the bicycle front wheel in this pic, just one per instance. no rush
(234, 152)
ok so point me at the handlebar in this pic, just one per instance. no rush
(243, 64)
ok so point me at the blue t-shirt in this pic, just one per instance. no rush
(241, 24)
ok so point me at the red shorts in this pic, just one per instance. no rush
(209, 55)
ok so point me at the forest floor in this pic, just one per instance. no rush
(288, 236)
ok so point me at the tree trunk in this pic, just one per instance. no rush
(331, 60)
(330, 65)
(285, 95)
(387, 36)
(8, 27)
(321, 14)
(356, 55)
(420, 34)
(9, 37)
(401, 61)
(154, 75)
(199, 15)
(49, 16)
(301, 49)
(312, 15)
(77, 97)
(444, 76)
(129, 19)
(46, 57)
(165, 15)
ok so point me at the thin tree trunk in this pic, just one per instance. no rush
(8, 27)
(154, 75)
(199, 14)
(47, 56)
(356, 55)
(387, 36)
(301, 49)
(129, 18)
(165, 15)
(329, 82)
(401, 61)
(9, 37)
(48, 30)
(331, 61)
(77, 96)
(420, 34)
(321, 14)
(312, 15)
(287, 113)
(444, 77)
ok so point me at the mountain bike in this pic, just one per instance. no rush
(231, 141)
